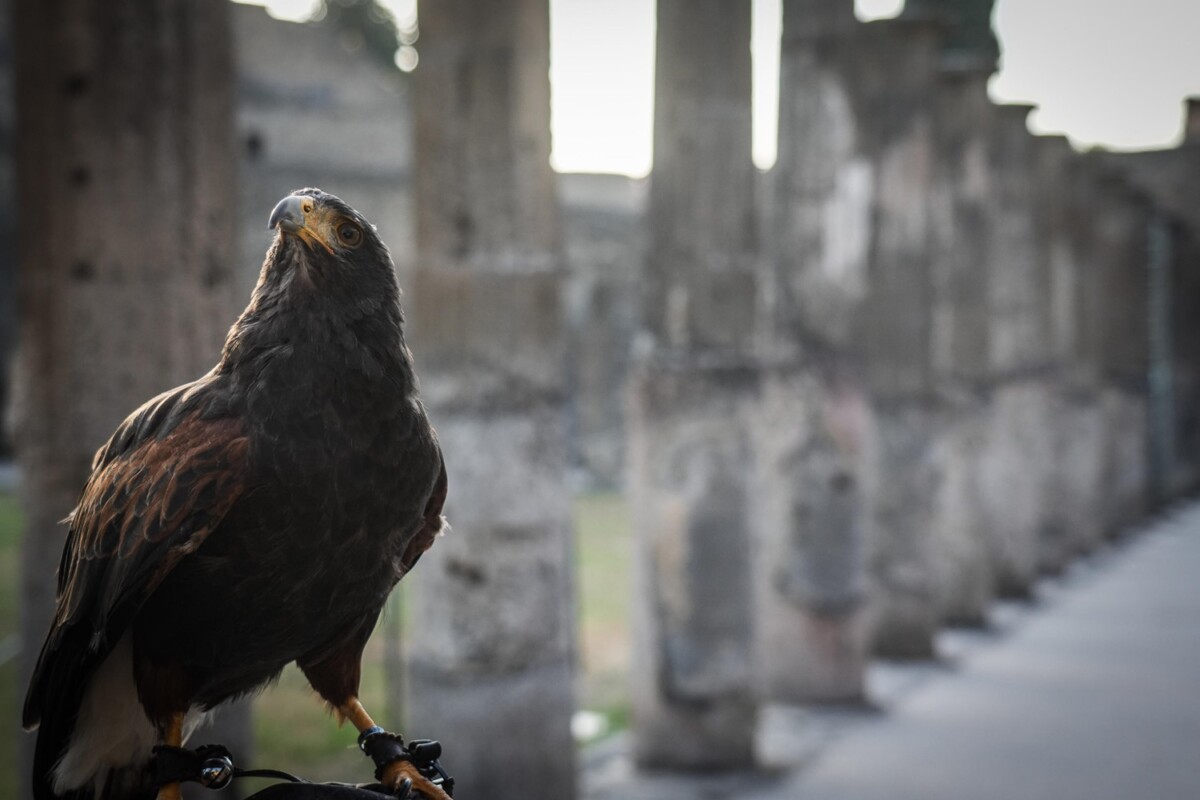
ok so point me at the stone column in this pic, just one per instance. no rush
(1171, 178)
(1160, 390)
(963, 181)
(814, 427)
(1072, 497)
(962, 205)
(692, 394)
(898, 63)
(1015, 452)
(853, 222)
(1185, 337)
(491, 657)
(1082, 458)
(126, 185)
(1120, 340)
(815, 439)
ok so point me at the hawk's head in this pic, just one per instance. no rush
(328, 283)
(327, 241)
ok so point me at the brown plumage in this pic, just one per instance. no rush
(257, 516)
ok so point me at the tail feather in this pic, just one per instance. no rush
(55, 703)
(120, 785)
(52, 704)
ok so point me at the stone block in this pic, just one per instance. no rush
(511, 745)
(963, 188)
(1075, 492)
(492, 594)
(1012, 470)
(691, 487)
(903, 606)
(963, 579)
(813, 435)
(1124, 474)
(1017, 294)
(488, 338)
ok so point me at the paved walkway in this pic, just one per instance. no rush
(1091, 693)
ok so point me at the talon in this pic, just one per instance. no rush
(396, 774)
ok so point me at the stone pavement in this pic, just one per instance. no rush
(1092, 692)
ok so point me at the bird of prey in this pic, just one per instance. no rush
(257, 516)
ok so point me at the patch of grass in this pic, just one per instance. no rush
(10, 538)
(604, 558)
(604, 553)
(10, 730)
(294, 732)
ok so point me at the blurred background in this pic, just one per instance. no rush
(765, 340)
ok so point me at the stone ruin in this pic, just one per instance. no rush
(924, 360)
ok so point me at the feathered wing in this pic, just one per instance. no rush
(158, 488)
(433, 523)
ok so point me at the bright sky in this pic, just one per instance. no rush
(1113, 74)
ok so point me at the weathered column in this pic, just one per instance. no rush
(1160, 390)
(963, 185)
(1120, 338)
(898, 63)
(1083, 434)
(962, 205)
(814, 446)
(491, 653)
(992, 312)
(1185, 335)
(1072, 497)
(692, 395)
(1016, 451)
(814, 429)
(1171, 178)
(1183, 205)
(824, 179)
(125, 182)
(853, 219)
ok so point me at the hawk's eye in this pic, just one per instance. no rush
(349, 234)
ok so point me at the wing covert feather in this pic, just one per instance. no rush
(161, 484)
(144, 510)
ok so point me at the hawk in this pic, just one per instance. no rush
(255, 517)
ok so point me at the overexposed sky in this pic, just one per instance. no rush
(1105, 72)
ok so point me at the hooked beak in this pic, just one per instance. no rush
(292, 215)
(288, 215)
